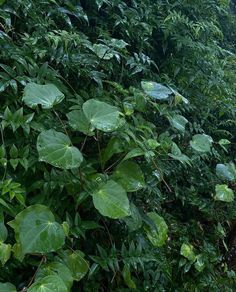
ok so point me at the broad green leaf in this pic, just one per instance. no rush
(101, 115)
(79, 122)
(37, 231)
(111, 200)
(156, 90)
(159, 234)
(134, 221)
(55, 148)
(114, 146)
(133, 153)
(7, 287)
(5, 253)
(178, 122)
(103, 51)
(51, 283)
(56, 268)
(3, 229)
(187, 251)
(76, 263)
(226, 171)
(45, 95)
(178, 155)
(201, 143)
(199, 264)
(224, 193)
(127, 277)
(129, 175)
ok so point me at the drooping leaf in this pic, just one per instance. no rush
(7, 287)
(187, 251)
(51, 283)
(226, 171)
(224, 193)
(55, 148)
(79, 122)
(159, 234)
(76, 263)
(111, 200)
(130, 176)
(156, 90)
(45, 95)
(37, 231)
(178, 122)
(127, 277)
(201, 143)
(101, 115)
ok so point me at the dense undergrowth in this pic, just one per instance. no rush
(117, 123)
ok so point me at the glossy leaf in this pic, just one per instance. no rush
(226, 171)
(159, 234)
(129, 175)
(156, 90)
(55, 148)
(45, 95)
(178, 122)
(79, 122)
(101, 115)
(201, 143)
(51, 283)
(188, 252)
(224, 193)
(111, 200)
(37, 231)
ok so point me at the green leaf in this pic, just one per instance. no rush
(159, 234)
(3, 229)
(36, 230)
(56, 268)
(156, 90)
(178, 155)
(226, 171)
(101, 115)
(7, 287)
(76, 263)
(55, 148)
(45, 95)
(178, 122)
(103, 51)
(51, 283)
(5, 253)
(134, 221)
(199, 264)
(129, 175)
(127, 277)
(187, 251)
(201, 143)
(111, 200)
(79, 122)
(224, 193)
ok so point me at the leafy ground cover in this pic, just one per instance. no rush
(117, 153)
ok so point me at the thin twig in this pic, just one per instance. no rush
(43, 259)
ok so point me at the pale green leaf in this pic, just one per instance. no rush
(79, 122)
(7, 287)
(55, 148)
(201, 143)
(127, 277)
(224, 193)
(111, 200)
(103, 51)
(37, 231)
(101, 115)
(159, 234)
(156, 90)
(45, 95)
(5, 253)
(178, 122)
(187, 251)
(226, 171)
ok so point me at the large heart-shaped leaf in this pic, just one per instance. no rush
(201, 142)
(45, 95)
(36, 230)
(101, 115)
(156, 90)
(157, 235)
(79, 122)
(226, 171)
(224, 193)
(51, 283)
(130, 176)
(7, 287)
(186, 250)
(55, 148)
(111, 200)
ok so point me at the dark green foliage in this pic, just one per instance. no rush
(117, 152)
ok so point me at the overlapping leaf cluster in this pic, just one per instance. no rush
(117, 146)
